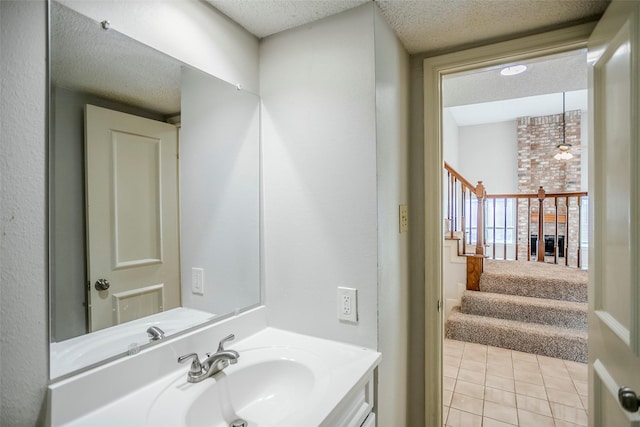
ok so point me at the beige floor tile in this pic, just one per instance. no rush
(471, 376)
(525, 366)
(568, 413)
(470, 389)
(488, 422)
(446, 397)
(502, 397)
(501, 383)
(550, 361)
(528, 377)
(532, 404)
(582, 387)
(518, 355)
(560, 423)
(577, 368)
(562, 384)
(555, 371)
(449, 383)
(472, 365)
(467, 403)
(459, 418)
(494, 387)
(585, 402)
(451, 361)
(532, 390)
(496, 411)
(564, 398)
(450, 371)
(497, 351)
(504, 371)
(531, 419)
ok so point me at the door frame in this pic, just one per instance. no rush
(434, 68)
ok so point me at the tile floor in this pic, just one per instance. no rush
(494, 387)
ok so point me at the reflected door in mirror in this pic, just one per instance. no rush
(132, 216)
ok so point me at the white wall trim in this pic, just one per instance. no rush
(434, 68)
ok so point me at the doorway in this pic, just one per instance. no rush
(434, 70)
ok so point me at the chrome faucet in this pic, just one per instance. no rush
(213, 364)
(155, 333)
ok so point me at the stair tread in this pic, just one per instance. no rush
(547, 340)
(527, 300)
(456, 315)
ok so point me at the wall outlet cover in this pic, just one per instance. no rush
(348, 304)
(197, 281)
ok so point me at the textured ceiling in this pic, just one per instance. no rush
(422, 25)
(88, 59)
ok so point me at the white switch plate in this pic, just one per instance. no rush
(197, 281)
(348, 304)
(404, 218)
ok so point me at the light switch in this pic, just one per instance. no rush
(197, 281)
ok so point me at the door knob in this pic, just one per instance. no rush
(628, 399)
(102, 284)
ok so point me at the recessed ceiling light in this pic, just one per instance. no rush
(513, 70)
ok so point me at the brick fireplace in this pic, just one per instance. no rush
(537, 141)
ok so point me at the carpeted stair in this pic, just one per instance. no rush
(526, 306)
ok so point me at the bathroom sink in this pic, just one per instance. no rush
(270, 386)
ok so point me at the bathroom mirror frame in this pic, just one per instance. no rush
(123, 352)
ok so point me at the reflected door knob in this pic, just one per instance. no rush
(102, 284)
(628, 399)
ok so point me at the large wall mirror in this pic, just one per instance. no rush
(154, 195)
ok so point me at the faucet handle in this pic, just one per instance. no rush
(230, 337)
(196, 367)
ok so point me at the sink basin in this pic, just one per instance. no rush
(270, 386)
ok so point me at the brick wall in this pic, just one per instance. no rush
(537, 141)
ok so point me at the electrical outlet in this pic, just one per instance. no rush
(348, 304)
(404, 218)
(197, 281)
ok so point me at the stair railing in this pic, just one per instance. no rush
(551, 224)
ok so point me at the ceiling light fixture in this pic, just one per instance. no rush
(513, 70)
(564, 147)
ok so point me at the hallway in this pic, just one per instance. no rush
(494, 387)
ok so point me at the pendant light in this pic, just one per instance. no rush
(564, 147)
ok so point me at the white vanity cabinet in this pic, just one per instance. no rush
(355, 409)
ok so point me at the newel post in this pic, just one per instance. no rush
(480, 195)
(541, 197)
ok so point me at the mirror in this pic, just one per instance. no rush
(216, 249)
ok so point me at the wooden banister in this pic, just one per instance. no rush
(468, 221)
(459, 177)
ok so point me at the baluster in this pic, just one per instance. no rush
(480, 194)
(579, 199)
(528, 229)
(463, 219)
(555, 238)
(493, 222)
(516, 202)
(504, 232)
(566, 234)
(541, 197)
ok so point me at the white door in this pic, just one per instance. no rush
(614, 245)
(132, 216)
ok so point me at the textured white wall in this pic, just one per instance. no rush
(490, 153)
(219, 193)
(392, 127)
(191, 31)
(24, 344)
(450, 142)
(319, 175)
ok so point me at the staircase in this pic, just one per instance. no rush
(531, 307)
